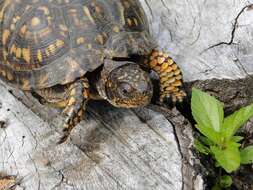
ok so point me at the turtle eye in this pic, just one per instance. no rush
(125, 89)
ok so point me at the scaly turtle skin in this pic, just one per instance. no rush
(71, 51)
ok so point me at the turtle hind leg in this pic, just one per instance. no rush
(78, 95)
(171, 85)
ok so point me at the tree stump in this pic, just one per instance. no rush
(149, 148)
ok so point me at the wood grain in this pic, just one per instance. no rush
(143, 149)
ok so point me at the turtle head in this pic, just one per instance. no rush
(128, 86)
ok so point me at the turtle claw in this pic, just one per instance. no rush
(171, 100)
(63, 139)
(75, 108)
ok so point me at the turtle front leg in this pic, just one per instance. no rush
(169, 74)
(78, 96)
(72, 98)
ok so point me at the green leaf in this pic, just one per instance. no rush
(228, 158)
(232, 144)
(201, 147)
(210, 134)
(216, 187)
(247, 155)
(233, 122)
(207, 111)
(237, 138)
(205, 140)
(226, 181)
(217, 164)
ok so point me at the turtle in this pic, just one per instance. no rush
(71, 51)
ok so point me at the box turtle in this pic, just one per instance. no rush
(71, 51)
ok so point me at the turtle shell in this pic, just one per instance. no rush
(45, 42)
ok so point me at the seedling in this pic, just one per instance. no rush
(219, 137)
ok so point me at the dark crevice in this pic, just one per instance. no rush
(132, 58)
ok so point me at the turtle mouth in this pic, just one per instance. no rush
(133, 103)
(135, 58)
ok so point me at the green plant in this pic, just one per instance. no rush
(219, 134)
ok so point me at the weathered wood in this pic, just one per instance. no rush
(132, 149)
(208, 39)
(112, 149)
(233, 93)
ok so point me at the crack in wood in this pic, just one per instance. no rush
(235, 25)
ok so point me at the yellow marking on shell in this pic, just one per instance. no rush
(16, 19)
(47, 52)
(13, 48)
(9, 76)
(26, 54)
(18, 53)
(39, 56)
(129, 22)
(116, 29)
(135, 22)
(44, 9)
(98, 9)
(59, 43)
(35, 21)
(89, 46)
(5, 5)
(51, 48)
(62, 33)
(87, 12)
(100, 39)
(73, 11)
(6, 35)
(43, 33)
(5, 54)
(63, 27)
(13, 26)
(23, 29)
(80, 40)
